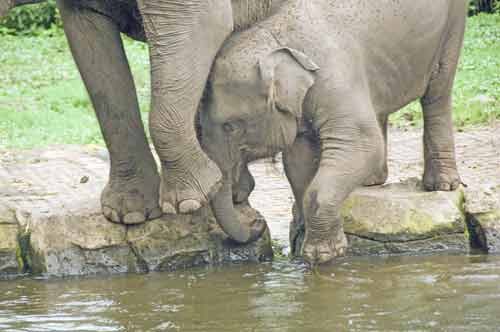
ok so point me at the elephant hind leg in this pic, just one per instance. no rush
(131, 195)
(440, 171)
(380, 174)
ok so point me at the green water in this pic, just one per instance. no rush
(443, 293)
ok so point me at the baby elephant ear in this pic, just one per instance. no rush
(287, 75)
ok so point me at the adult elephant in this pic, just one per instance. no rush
(183, 37)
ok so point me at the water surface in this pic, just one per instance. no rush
(440, 293)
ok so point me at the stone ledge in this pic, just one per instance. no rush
(482, 207)
(50, 223)
(401, 218)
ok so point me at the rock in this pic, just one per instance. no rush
(8, 242)
(183, 241)
(401, 218)
(50, 223)
(482, 207)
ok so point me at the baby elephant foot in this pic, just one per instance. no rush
(257, 229)
(441, 178)
(377, 178)
(187, 189)
(322, 251)
(133, 200)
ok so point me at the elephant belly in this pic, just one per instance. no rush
(124, 13)
(400, 44)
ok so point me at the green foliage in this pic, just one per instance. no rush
(483, 6)
(31, 19)
(43, 100)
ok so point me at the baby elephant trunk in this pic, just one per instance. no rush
(227, 216)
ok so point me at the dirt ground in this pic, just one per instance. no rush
(478, 158)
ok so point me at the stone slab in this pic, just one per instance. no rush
(50, 223)
(400, 218)
(482, 207)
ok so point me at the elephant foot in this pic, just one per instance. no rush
(187, 189)
(322, 251)
(132, 200)
(377, 178)
(441, 177)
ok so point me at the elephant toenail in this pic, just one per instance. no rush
(114, 216)
(168, 208)
(155, 213)
(189, 205)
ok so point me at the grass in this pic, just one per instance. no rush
(43, 100)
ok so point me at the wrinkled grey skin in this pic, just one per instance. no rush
(317, 80)
(183, 37)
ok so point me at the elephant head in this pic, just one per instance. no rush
(251, 111)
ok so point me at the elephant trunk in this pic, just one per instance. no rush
(225, 213)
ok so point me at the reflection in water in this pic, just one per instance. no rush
(452, 293)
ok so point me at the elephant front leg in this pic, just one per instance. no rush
(301, 163)
(184, 37)
(131, 195)
(243, 184)
(349, 153)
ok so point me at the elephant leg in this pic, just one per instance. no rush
(131, 195)
(440, 171)
(351, 145)
(184, 37)
(300, 162)
(381, 174)
(243, 185)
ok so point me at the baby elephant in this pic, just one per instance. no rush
(317, 81)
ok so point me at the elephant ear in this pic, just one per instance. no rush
(287, 75)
